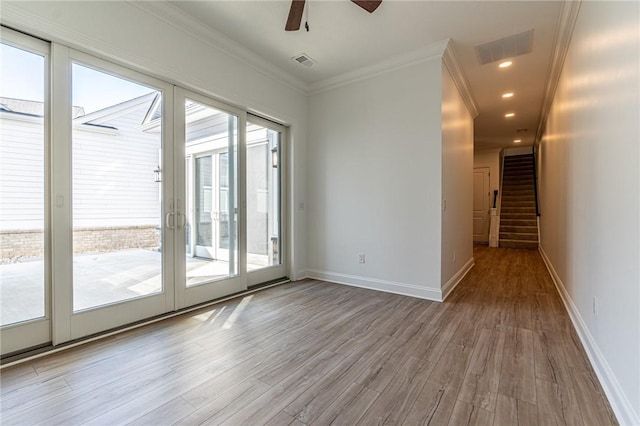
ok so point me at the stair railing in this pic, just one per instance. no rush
(535, 180)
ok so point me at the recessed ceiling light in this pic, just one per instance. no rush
(507, 95)
(505, 64)
(517, 140)
(510, 114)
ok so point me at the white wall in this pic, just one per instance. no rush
(489, 158)
(457, 185)
(123, 32)
(374, 181)
(590, 194)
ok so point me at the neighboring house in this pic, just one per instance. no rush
(112, 156)
(115, 152)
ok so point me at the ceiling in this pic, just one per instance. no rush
(343, 38)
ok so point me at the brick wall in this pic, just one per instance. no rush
(24, 244)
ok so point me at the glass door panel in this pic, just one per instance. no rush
(24, 289)
(207, 138)
(117, 246)
(210, 143)
(118, 180)
(204, 207)
(265, 243)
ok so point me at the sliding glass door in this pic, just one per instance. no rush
(123, 197)
(24, 196)
(121, 203)
(207, 141)
(265, 156)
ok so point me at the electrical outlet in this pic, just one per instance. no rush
(361, 258)
(595, 306)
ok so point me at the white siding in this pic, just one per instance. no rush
(113, 181)
(21, 172)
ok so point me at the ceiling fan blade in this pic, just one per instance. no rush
(368, 5)
(295, 15)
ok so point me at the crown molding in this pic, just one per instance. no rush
(450, 60)
(398, 62)
(184, 22)
(564, 31)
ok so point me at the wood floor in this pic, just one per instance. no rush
(501, 350)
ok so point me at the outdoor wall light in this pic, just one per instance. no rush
(274, 157)
(157, 174)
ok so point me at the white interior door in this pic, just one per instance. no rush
(481, 204)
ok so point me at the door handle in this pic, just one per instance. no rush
(182, 220)
(171, 224)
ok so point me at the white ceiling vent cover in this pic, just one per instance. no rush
(508, 47)
(304, 59)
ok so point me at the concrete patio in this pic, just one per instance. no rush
(99, 279)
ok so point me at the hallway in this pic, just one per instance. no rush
(501, 350)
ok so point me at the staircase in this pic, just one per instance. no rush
(518, 218)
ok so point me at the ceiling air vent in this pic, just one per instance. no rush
(304, 59)
(507, 47)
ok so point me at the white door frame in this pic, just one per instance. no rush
(274, 272)
(70, 325)
(487, 198)
(188, 296)
(35, 332)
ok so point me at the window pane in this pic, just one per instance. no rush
(22, 194)
(263, 197)
(211, 182)
(116, 149)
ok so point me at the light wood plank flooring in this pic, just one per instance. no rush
(501, 350)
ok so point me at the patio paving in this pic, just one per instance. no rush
(99, 279)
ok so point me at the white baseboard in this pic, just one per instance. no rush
(615, 394)
(404, 289)
(448, 287)
(300, 275)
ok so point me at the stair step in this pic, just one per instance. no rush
(527, 178)
(518, 180)
(507, 210)
(520, 187)
(518, 190)
(518, 222)
(511, 216)
(522, 229)
(512, 198)
(530, 245)
(518, 203)
(518, 236)
(518, 157)
(519, 163)
(518, 168)
(510, 192)
(520, 172)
